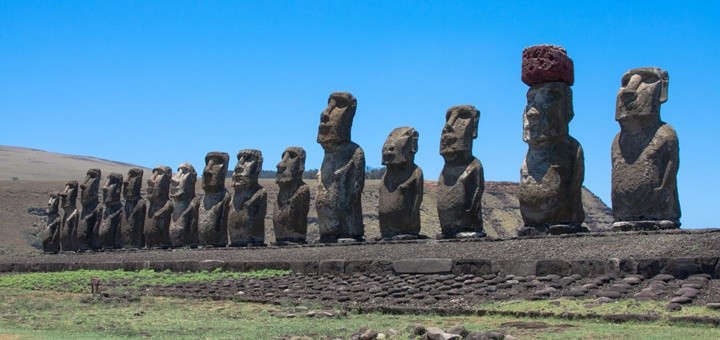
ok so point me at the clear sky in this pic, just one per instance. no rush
(164, 82)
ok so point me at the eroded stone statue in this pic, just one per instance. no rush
(70, 218)
(462, 179)
(51, 235)
(342, 174)
(160, 208)
(401, 192)
(184, 221)
(213, 211)
(108, 236)
(132, 226)
(293, 200)
(246, 219)
(645, 155)
(553, 170)
(91, 210)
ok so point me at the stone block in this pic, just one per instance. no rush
(513, 267)
(475, 267)
(423, 266)
(557, 267)
(304, 267)
(681, 268)
(333, 267)
(588, 268)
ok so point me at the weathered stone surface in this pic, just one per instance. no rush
(51, 235)
(342, 174)
(547, 63)
(645, 155)
(160, 208)
(401, 192)
(70, 217)
(423, 266)
(462, 180)
(108, 232)
(513, 267)
(91, 212)
(132, 226)
(682, 268)
(553, 170)
(246, 218)
(183, 230)
(293, 199)
(213, 211)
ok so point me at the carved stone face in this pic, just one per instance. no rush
(641, 93)
(336, 120)
(216, 166)
(400, 147)
(159, 184)
(548, 112)
(112, 189)
(90, 187)
(461, 124)
(69, 196)
(133, 185)
(248, 168)
(53, 203)
(183, 181)
(291, 166)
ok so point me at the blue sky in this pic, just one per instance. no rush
(161, 82)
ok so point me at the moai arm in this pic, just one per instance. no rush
(577, 181)
(302, 194)
(474, 173)
(353, 176)
(224, 216)
(258, 202)
(414, 185)
(671, 168)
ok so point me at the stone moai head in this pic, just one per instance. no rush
(400, 147)
(549, 72)
(216, 167)
(69, 196)
(90, 186)
(158, 186)
(291, 166)
(183, 181)
(461, 127)
(112, 189)
(248, 168)
(53, 203)
(133, 185)
(336, 120)
(641, 92)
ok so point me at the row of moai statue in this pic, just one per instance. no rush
(644, 191)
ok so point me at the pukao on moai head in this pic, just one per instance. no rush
(51, 235)
(401, 192)
(70, 217)
(645, 155)
(553, 170)
(160, 208)
(462, 179)
(342, 177)
(246, 220)
(183, 228)
(91, 210)
(213, 211)
(293, 200)
(132, 227)
(108, 236)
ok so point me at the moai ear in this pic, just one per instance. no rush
(664, 87)
(414, 136)
(569, 111)
(475, 122)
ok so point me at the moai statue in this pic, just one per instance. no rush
(645, 155)
(213, 211)
(338, 204)
(553, 170)
(462, 179)
(51, 236)
(160, 208)
(108, 236)
(131, 233)
(184, 220)
(293, 200)
(70, 218)
(246, 219)
(401, 192)
(91, 210)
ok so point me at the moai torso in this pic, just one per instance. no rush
(213, 211)
(462, 179)
(184, 220)
(91, 210)
(108, 236)
(401, 192)
(248, 205)
(645, 155)
(132, 226)
(51, 236)
(70, 218)
(159, 210)
(293, 200)
(342, 174)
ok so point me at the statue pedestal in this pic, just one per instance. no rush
(645, 225)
